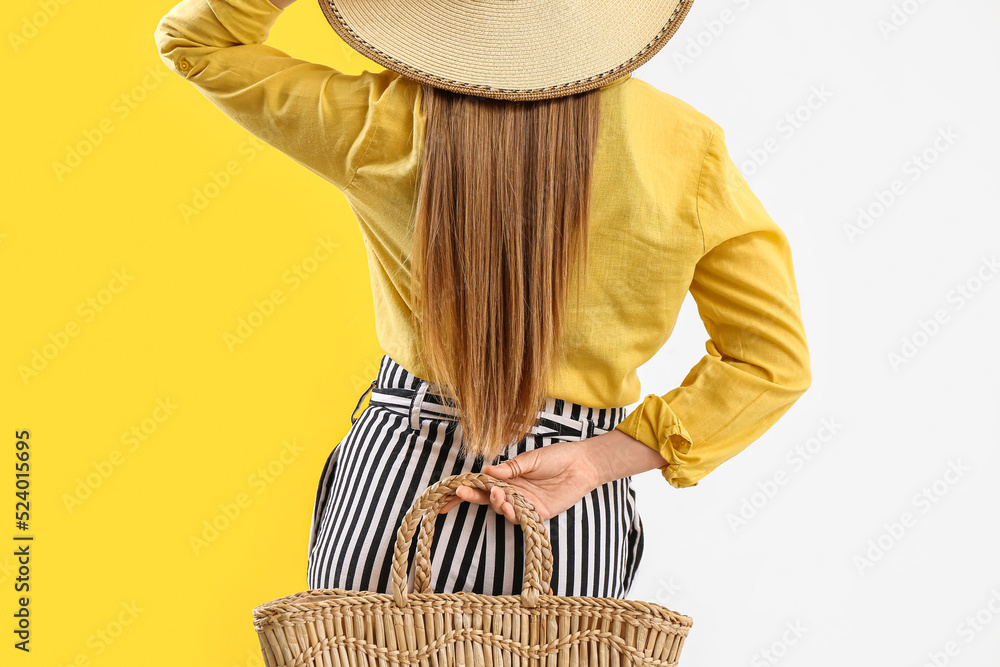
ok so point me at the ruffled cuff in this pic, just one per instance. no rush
(656, 425)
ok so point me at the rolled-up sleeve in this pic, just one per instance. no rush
(320, 117)
(757, 364)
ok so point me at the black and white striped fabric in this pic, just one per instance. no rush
(407, 439)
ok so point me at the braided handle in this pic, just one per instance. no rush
(425, 509)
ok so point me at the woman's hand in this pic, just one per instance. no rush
(553, 478)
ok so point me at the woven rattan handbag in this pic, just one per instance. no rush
(341, 628)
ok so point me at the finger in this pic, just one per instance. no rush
(497, 498)
(527, 462)
(473, 495)
(501, 471)
(508, 511)
(500, 504)
(497, 471)
(463, 494)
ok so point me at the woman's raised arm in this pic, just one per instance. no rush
(320, 117)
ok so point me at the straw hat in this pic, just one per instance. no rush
(508, 49)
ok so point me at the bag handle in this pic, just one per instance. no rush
(425, 509)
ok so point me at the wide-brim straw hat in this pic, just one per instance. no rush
(508, 49)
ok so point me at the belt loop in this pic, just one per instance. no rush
(415, 403)
(590, 428)
(370, 387)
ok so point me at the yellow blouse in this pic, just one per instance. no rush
(670, 213)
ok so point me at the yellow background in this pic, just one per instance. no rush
(115, 577)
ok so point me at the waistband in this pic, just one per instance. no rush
(396, 387)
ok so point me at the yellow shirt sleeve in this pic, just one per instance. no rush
(757, 364)
(320, 117)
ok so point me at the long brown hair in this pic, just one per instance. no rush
(502, 217)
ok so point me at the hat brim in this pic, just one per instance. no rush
(515, 50)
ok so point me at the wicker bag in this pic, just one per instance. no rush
(341, 628)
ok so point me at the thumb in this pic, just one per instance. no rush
(500, 471)
(526, 462)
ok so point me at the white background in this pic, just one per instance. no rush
(867, 551)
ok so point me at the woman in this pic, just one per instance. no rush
(504, 148)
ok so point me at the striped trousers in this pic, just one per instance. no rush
(407, 439)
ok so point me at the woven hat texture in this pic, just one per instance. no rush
(508, 49)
